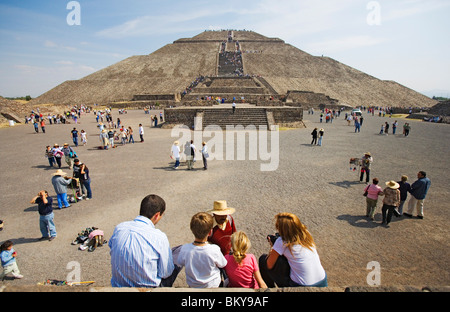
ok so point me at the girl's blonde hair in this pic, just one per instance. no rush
(240, 244)
(292, 231)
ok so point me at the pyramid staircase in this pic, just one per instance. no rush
(223, 117)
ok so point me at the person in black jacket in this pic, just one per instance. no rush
(46, 223)
(314, 136)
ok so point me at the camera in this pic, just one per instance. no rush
(273, 238)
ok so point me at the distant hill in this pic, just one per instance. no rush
(173, 67)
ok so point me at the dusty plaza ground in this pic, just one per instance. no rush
(313, 182)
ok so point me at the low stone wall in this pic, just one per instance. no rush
(281, 116)
(184, 116)
(287, 116)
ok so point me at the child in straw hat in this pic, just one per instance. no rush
(224, 226)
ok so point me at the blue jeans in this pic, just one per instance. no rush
(177, 162)
(75, 141)
(62, 199)
(131, 139)
(51, 161)
(87, 185)
(47, 225)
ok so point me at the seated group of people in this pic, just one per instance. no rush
(141, 255)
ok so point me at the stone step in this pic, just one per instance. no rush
(223, 117)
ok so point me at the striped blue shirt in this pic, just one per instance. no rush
(140, 254)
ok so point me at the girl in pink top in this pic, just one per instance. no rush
(242, 268)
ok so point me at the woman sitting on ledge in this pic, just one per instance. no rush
(293, 260)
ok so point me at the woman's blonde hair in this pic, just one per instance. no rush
(292, 231)
(240, 244)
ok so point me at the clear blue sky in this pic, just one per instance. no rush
(402, 40)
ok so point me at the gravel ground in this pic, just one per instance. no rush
(313, 182)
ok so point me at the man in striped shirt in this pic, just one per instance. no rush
(140, 254)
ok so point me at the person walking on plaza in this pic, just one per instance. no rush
(175, 153)
(43, 125)
(406, 129)
(46, 223)
(81, 171)
(50, 156)
(141, 132)
(404, 188)
(190, 158)
(130, 135)
(69, 154)
(140, 254)
(419, 190)
(314, 136)
(366, 162)
(58, 153)
(391, 201)
(394, 126)
(74, 133)
(321, 133)
(357, 125)
(60, 183)
(372, 191)
(205, 155)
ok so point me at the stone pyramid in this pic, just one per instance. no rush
(281, 69)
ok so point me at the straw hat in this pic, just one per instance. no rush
(367, 153)
(59, 172)
(221, 208)
(176, 143)
(392, 184)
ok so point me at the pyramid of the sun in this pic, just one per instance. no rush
(169, 70)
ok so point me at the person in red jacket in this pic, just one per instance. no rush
(224, 226)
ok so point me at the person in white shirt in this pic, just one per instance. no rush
(202, 260)
(176, 154)
(293, 260)
(141, 132)
(205, 155)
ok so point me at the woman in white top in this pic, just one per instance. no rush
(293, 260)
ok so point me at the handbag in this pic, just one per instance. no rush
(366, 192)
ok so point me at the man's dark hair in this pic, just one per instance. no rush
(151, 204)
(423, 173)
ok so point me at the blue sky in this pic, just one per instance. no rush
(402, 40)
